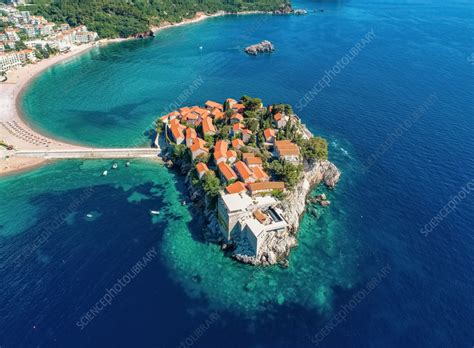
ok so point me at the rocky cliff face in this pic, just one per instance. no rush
(295, 203)
(278, 247)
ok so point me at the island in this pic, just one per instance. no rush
(262, 47)
(249, 169)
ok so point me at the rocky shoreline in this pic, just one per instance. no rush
(294, 206)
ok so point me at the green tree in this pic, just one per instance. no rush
(287, 172)
(211, 184)
(315, 148)
(250, 103)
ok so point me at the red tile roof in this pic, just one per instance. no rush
(278, 116)
(266, 186)
(269, 133)
(244, 171)
(287, 148)
(236, 187)
(237, 143)
(212, 104)
(259, 173)
(208, 126)
(227, 171)
(202, 168)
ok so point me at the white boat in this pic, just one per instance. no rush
(114, 166)
(127, 164)
(183, 203)
(154, 212)
(89, 215)
(200, 47)
(105, 173)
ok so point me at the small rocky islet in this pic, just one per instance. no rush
(250, 170)
(263, 47)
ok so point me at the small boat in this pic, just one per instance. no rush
(183, 203)
(200, 47)
(154, 212)
(89, 215)
(114, 166)
(105, 173)
(127, 164)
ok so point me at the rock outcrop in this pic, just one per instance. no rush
(277, 247)
(264, 46)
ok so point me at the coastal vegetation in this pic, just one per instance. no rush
(123, 18)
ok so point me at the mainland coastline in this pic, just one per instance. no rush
(18, 80)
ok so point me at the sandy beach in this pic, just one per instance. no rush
(14, 130)
(200, 16)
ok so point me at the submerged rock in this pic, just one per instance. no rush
(264, 46)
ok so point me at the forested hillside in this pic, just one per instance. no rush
(122, 18)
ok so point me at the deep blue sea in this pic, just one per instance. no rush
(389, 264)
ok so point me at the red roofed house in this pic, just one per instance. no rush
(218, 114)
(190, 136)
(285, 149)
(227, 173)
(220, 151)
(213, 105)
(237, 143)
(236, 187)
(265, 187)
(238, 107)
(236, 129)
(208, 126)
(244, 172)
(246, 134)
(269, 135)
(280, 120)
(231, 102)
(177, 132)
(253, 162)
(231, 156)
(201, 169)
(260, 174)
(236, 118)
(198, 148)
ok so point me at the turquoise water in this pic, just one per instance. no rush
(110, 97)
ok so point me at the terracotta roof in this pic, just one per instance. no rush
(259, 173)
(221, 146)
(208, 126)
(177, 131)
(236, 187)
(268, 133)
(218, 114)
(213, 104)
(247, 155)
(190, 133)
(237, 127)
(247, 131)
(253, 160)
(227, 171)
(238, 106)
(237, 117)
(261, 217)
(231, 154)
(278, 116)
(266, 186)
(237, 143)
(287, 148)
(202, 167)
(244, 171)
(198, 146)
